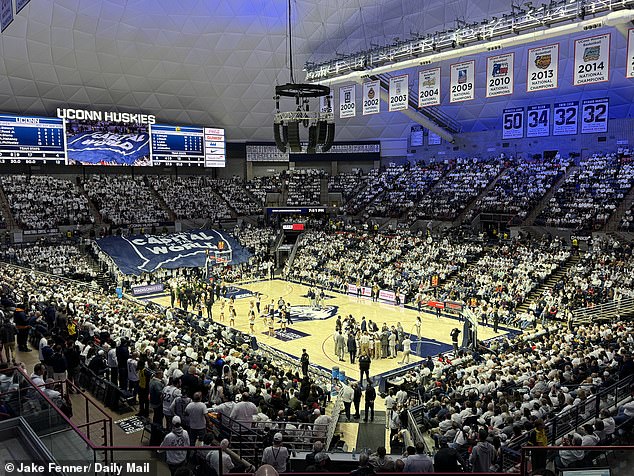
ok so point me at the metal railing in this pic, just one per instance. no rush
(604, 312)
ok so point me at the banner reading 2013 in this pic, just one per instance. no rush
(542, 71)
(592, 60)
(462, 82)
(429, 88)
(399, 92)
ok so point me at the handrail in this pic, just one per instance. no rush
(607, 310)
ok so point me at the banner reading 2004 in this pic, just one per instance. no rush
(429, 87)
(592, 60)
(462, 81)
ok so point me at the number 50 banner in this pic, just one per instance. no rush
(399, 93)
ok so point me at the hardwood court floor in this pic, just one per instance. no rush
(319, 341)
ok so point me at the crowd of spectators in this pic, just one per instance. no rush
(627, 222)
(304, 187)
(590, 194)
(346, 183)
(520, 188)
(40, 202)
(124, 200)
(191, 197)
(59, 259)
(260, 186)
(458, 187)
(377, 182)
(232, 190)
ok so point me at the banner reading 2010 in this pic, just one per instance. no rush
(592, 60)
(462, 84)
(500, 75)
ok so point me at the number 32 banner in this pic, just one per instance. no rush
(462, 82)
(592, 60)
(399, 93)
(594, 115)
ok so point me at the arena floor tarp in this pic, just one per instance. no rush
(139, 254)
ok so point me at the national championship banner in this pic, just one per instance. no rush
(592, 60)
(399, 93)
(538, 121)
(323, 102)
(6, 13)
(594, 115)
(347, 101)
(462, 81)
(146, 253)
(433, 138)
(543, 68)
(513, 123)
(565, 115)
(429, 88)
(629, 65)
(371, 98)
(500, 75)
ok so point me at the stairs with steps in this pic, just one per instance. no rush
(458, 220)
(530, 218)
(160, 200)
(614, 220)
(5, 208)
(549, 283)
(222, 198)
(91, 206)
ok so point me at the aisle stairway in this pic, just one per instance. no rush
(6, 211)
(458, 220)
(91, 206)
(543, 203)
(615, 220)
(160, 200)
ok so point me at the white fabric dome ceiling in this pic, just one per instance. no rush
(216, 62)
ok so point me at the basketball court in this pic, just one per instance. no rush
(313, 328)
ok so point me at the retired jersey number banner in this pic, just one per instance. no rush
(543, 68)
(146, 253)
(371, 98)
(462, 81)
(6, 13)
(594, 115)
(538, 121)
(429, 87)
(565, 118)
(347, 101)
(629, 66)
(592, 60)
(500, 73)
(399, 92)
(513, 123)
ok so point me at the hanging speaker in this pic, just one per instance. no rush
(312, 139)
(293, 137)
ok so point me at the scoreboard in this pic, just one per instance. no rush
(32, 140)
(102, 141)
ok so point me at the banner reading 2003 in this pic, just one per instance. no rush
(399, 93)
(462, 81)
(592, 60)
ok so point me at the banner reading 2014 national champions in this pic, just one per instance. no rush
(146, 253)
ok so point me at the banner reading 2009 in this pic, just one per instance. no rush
(592, 60)
(399, 93)
(462, 82)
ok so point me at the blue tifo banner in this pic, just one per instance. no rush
(139, 254)
(109, 148)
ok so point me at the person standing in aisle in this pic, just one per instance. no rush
(364, 367)
(370, 397)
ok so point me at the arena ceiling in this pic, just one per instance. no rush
(215, 62)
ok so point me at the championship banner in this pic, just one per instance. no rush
(6, 13)
(20, 4)
(513, 123)
(565, 118)
(538, 121)
(347, 101)
(500, 75)
(629, 65)
(543, 68)
(462, 81)
(371, 98)
(429, 88)
(433, 138)
(146, 253)
(399, 93)
(323, 102)
(594, 115)
(592, 60)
